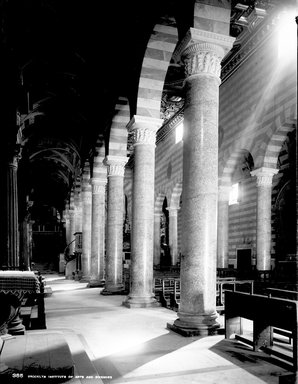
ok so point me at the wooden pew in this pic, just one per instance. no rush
(266, 313)
(233, 285)
(165, 294)
(282, 293)
(175, 296)
(157, 286)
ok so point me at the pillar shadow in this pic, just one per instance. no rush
(259, 364)
(141, 354)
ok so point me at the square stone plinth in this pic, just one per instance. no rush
(189, 332)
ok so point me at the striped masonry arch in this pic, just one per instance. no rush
(157, 58)
(230, 165)
(175, 196)
(118, 133)
(158, 203)
(275, 144)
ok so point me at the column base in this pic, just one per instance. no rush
(15, 325)
(95, 284)
(201, 331)
(141, 302)
(189, 324)
(85, 279)
(118, 290)
(16, 328)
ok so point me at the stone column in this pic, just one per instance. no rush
(156, 260)
(12, 213)
(264, 201)
(114, 246)
(67, 226)
(97, 231)
(86, 230)
(78, 211)
(72, 229)
(71, 265)
(141, 272)
(173, 234)
(202, 52)
(223, 227)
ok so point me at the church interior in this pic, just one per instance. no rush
(148, 227)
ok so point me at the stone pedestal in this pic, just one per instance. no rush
(141, 272)
(97, 231)
(114, 246)
(223, 227)
(264, 201)
(201, 53)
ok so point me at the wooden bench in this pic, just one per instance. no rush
(232, 285)
(157, 287)
(266, 313)
(282, 294)
(167, 290)
(32, 311)
(175, 296)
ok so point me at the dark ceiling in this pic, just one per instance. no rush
(63, 65)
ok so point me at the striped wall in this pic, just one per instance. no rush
(257, 110)
(154, 69)
(212, 18)
(168, 174)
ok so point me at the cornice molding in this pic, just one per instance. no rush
(258, 30)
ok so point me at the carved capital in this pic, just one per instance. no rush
(264, 176)
(98, 186)
(116, 165)
(201, 59)
(173, 211)
(202, 52)
(144, 129)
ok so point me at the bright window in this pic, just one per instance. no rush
(234, 194)
(179, 132)
(287, 36)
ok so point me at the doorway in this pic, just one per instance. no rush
(244, 267)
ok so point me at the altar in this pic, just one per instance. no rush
(14, 285)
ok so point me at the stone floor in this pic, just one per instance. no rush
(110, 343)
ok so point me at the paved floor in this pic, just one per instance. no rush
(113, 344)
